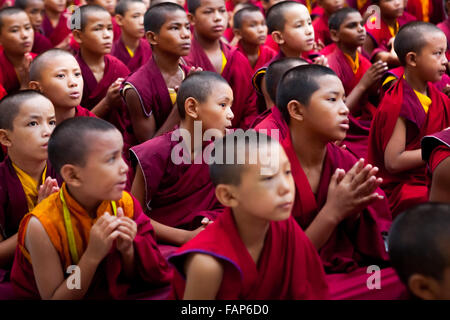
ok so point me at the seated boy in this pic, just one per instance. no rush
(55, 25)
(27, 119)
(90, 224)
(57, 75)
(419, 250)
(16, 37)
(411, 109)
(131, 48)
(320, 24)
(35, 10)
(179, 195)
(209, 19)
(234, 258)
(348, 234)
(359, 77)
(250, 27)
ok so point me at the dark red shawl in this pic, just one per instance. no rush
(141, 55)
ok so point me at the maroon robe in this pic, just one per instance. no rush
(83, 112)
(321, 31)
(56, 34)
(288, 267)
(436, 148)
(265, 54)
(41, 43)
(8, 75)
(407, 188)
(142, 53)
(238, 73)
(176, 195)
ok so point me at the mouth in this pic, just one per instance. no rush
(75, 95)
(310, 42)
(345, 124)
(285, 205)
(107, 45)
(122, 184)
(26, 44)
(45, 145)
(218, 28)
(186, 46)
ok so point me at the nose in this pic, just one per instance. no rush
(185, 32)
(107, 33)
(285, 184)
(72, 81)
(343, 108)
(47, 130)
(230, 114)
(309, 29)
(217, 16)
(444, 59)
(123, 166)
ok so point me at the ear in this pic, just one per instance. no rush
(152, 38)
(190, 107)
(70, 174)
(35, 85)
(77, 35)
(411, 59)
(278, 37)
(237, 33)
(191, 19)
(119, 19)
(426, 288)
(334, 35)
(4, 138)
(296, 110)
(226, 195)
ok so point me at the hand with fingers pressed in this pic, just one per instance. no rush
(128, 229)
(102, 236)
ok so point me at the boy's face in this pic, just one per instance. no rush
(55, 5)
(298, 33)
(331, 6)
(215, 112)
(32, 128)
(327, 115)
(132, 22)
(253, 29)
(104, 174)
(352, 32)
(268, 191)
(391, 8)
(61, 81)
(431, 61)
(16, 34)
(35, 11)
(109, 5)
(175, 34)
(210, 19)
(97, 35)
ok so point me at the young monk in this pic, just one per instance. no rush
(16, 37)
(150, 92)
(57, 75)
(26, 121)
(179, 195)
(110, 6)
(55, 24)
(209, 19)
(411, 109)
(131, 48)
(359, 77)
(250, 27)
(91, 223)
(35, 11)
(348, 234)
(321, 30)
(234, 258)
(418, 248)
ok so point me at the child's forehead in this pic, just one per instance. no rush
(175, 16)
(352, 16)
(58, 61)
(35, 106)
(15, 18)
(252, 15)
(433, 39)
(212, 3)
(35, 3)
(98, 17)
(296, 12)
(134, 6)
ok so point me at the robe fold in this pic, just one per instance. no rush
(83, 112)
(56, 34)
(109, 282)
(321, 30)
(8, 75)
(41, 43)
(177, 195)
(407, 188)
(238, 73)
(288, 267)
(265, 54)
(435, 148)
(141, 55)
(434, 13)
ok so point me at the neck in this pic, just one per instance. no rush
(290, 53)
(169, 64)
(309, 149)
(207, 44)
(90, 205)
(391, 22)
(190, 138)
(52, 15)
(62, 114)
(415, 81)
(16, 60)
(349, 51)
(92, 59)
(32, 167)
(130, 41)
(249, 48)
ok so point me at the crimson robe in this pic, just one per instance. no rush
(436, 10)
(177, 195)
(40, 43)
(142, 53)
(321, 30)
(435, 148)
(83, 112)
(238, 73)
(8, 75)
(265, 54)
(288, 267)
(2, 90)
(56, 34)
(151, 269)
(271, 43)
(407, 188)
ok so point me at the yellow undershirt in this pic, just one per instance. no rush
(392, 31)
(224, 62)
(130, 52)
(29, 185)
(425, 101)
(425, 10)
(172, 92)
(353, 63)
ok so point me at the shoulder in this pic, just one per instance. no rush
(203, 264)
(119, 67)
(158, 146)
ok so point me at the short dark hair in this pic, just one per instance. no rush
(238, 16)
(198, 85)
(275, 15)
(412, 38)
(83, 15)
(299, 84)
(40, 61)
(222, 172)
(123, 6)
(68, 143)
(419, 241)
(8, 11)
(193, 5)
(11, 104)
(21, 4)
(336, 19)
(275, 71)
(156, 16)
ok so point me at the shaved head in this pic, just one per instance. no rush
(40, 63)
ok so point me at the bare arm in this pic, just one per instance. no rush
(440, 183)
(144, 128)
(112, 98)
(7, 249)
(396, 159)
